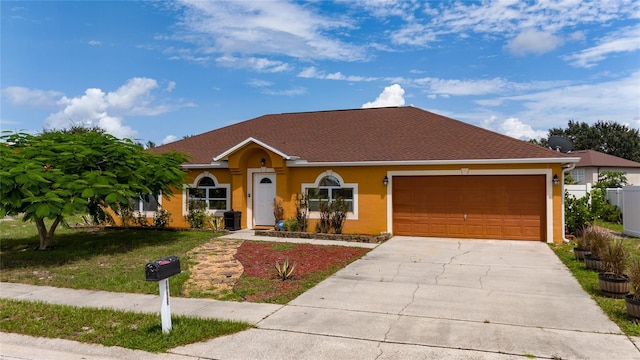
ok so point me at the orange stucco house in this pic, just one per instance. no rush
(403, 171)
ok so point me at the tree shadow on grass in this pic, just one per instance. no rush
(81, 244)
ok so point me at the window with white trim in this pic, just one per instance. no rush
(146, 202)
(145, 205)
(578, 175)
(207, 195)
(328, 187)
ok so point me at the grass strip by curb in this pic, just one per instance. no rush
(109, 327)
(588, 279)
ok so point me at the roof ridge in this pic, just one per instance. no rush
(337, 110)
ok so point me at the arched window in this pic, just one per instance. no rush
(328, 189)
(207, 196)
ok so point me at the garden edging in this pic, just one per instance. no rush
(373, 239)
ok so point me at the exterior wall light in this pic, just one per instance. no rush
(385, 181)
(263, 162)
(556, 181)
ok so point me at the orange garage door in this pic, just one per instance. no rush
(481, 207)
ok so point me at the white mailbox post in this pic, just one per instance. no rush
(160, 270)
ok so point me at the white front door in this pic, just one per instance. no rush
(264, 192)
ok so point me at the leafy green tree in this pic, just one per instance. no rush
(60, 173)
(611, 179)
(604, 136)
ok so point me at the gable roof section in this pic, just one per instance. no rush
(225, 154)
(393, 134)
(592, 158)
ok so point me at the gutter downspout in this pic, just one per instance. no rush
(565, 168)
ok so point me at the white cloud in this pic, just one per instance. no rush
(257, 83)
(625, 40)
(253, 63)
(95, 43)
(613, 100)
(288, 92)
(437, 87)
(312, 73)
(170, 86)
(91, 109)
(265, 27)
(169, 139)
(463, 87)
(513, 127)
(509, 18)
(533, 42)
(577, 36)
(23, 96)
(134, 95)
(107, 110)
(391, 96)
(415, 35)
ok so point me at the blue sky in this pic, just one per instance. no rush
(158, 71)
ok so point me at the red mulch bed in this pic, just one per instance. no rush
(258, 259)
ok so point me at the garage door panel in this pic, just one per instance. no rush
(502, 207)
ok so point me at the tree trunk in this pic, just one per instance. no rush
(46, 235)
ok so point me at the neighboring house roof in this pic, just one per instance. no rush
(592, 158)
(363, 135)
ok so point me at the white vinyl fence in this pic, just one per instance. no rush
(578, 190)
(614, 197)
(631, 213)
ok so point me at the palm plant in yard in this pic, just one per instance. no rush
(613, 280)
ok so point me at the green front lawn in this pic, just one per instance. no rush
(93, 259)
(109, 327)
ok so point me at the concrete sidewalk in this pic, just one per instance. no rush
(409, 298)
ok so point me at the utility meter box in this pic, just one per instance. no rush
(162, 268)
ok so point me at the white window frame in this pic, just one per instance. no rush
(316, 214)
(139, 207)
(578, 175)
(194, 185)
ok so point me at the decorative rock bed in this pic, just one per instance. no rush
(373, 239)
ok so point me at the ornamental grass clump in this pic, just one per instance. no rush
(633, 272)
(583, 242)
(614, 258)
(597, 240)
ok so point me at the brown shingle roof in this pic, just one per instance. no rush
(592, 158)
(379, 134)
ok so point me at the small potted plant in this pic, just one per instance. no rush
(613, 280)
(582, 248)
(597, 240)
(632, 301)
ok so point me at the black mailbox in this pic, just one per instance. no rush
(162, 268)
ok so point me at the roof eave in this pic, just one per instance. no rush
(563, 160)
(214, 164)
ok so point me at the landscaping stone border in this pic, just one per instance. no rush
(372, 239)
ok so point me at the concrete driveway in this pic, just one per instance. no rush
(426, 298)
